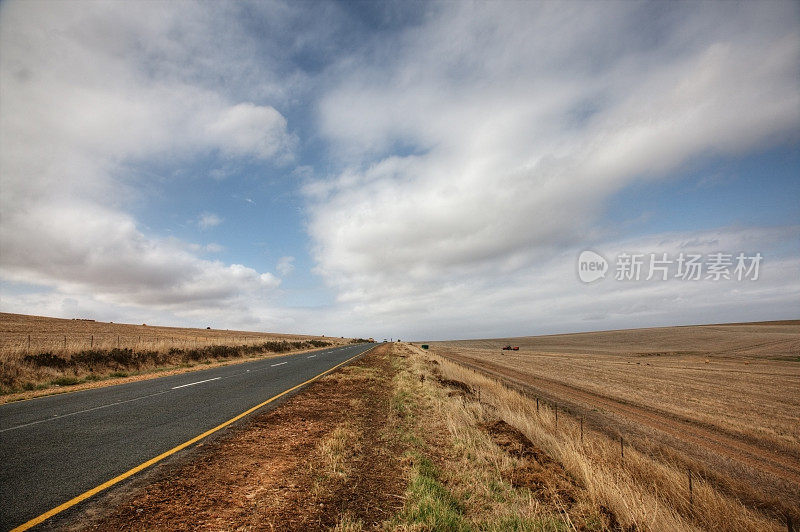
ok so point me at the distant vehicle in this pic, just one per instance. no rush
(511, 348)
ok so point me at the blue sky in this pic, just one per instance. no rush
(422, 170)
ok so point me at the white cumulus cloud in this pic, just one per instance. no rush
(87, 91)
(518, 124)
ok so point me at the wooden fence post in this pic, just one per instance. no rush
(691, 490)
(91, 342)
(29, 342)
(65, 341)
(537, 399)
(621, 447)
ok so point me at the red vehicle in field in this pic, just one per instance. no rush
(510, 348)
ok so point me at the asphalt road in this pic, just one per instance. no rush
(55, 448)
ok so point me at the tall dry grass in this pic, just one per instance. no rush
(65, 345)
(641, 491)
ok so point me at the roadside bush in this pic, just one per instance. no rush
(222, 351)
(91, 358)
(319, 343)
(275, 347)
(47, 360)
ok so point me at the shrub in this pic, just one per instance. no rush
(319, 343)
(89, 358)
(47, 360)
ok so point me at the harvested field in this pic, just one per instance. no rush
(723, 400)
(39, 354)
(47, 334)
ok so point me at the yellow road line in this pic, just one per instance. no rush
(105, 485)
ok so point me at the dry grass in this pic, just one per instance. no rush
(38, 353)
(640, 491)
(459, 478)
(336, 448)
(347, 523)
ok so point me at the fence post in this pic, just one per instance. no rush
(117, 341)
(91, 342)
(691, 490)
(65, 341)
(621, 447)
(29, 342)
(537, 399)
(556, 415)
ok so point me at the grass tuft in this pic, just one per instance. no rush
(429, 504)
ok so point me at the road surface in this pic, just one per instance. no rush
(56, 448)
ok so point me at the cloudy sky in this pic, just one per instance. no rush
(414, 170)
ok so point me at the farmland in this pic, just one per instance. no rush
(722, 401)
(38, 354)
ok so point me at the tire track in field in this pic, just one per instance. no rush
(751, 455)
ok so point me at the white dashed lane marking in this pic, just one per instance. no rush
(193, 383)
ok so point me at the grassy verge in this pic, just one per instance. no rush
(459, 477)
